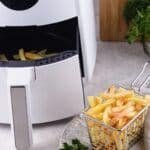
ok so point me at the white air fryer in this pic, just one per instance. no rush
(50, 89)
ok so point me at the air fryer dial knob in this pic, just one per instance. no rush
(19, 4)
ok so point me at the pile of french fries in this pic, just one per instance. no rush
(116, 106)
(31, 55)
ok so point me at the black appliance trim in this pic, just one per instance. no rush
(45, 61)
(19, 4)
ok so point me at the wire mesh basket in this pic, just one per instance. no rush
(105, 137)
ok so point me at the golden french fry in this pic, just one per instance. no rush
(138, 100)
(131, 114)
(120, 95)
(118, 109)
(138, 107)
(112, 89)
(42, 53)
(106, 95)
(123, 113)
(21, 54)
(122, 122)
(138, 96)
(92, 102)
(122, 107)
(106, 118)
(126, 94)
(96, 110)
(3, 57)
(147, 99)
(100, 116)
(114, 121)
(95, 116)
(16, 57)
(121, 90)
(100, 107)
(119, 103)
(98, 99)
(32, 56)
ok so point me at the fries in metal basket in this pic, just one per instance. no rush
(116, 106)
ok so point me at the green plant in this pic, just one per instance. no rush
(137, 15)
(132, 6)
(76, 145)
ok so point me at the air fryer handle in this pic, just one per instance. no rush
(21, 118)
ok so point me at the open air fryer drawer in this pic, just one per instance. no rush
(54, 81)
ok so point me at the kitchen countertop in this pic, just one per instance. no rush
(116, 62)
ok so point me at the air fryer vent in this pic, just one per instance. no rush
(57, 58)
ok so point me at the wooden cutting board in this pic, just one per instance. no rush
(112, 23)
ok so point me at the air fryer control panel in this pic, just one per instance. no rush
(19, 4)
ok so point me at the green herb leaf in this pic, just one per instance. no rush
(76, 145)
(137, 15)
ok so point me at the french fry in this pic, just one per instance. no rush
(92, 102)
(138, 96)
(126, 94)
(119, 103)
(106, 118)
(95, 116)
(42, 53)
(16, 57)
(118, 109)
(138, 107)
(106, 95)
(121, 90)
(138, 100)
(121, 108)
(21, 54)
(32, 56)
(147, 99)
(114, 121)
(123, 113)
(3, 57)
(112, 89)
(100, 116)
(131, 114)
(98, 100)
(100, 107)
(122, 122)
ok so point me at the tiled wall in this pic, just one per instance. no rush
(97, 13)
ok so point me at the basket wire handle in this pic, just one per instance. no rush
(142, 78)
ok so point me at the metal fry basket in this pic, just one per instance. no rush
(105, 137)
